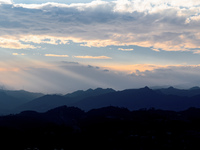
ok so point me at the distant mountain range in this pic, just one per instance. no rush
(133, 99)
(47, 102)
(180, 92)
(79, 95)
(9, 100)
(22, 95)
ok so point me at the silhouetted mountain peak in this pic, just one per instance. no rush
(146, 88)
(61, 108)
(180, 92)
(45, 103)
(79, 95)
(169, 98)
(50, 98)
(195, 88)
(65, 110)
(171, 88)
(89, 90)
(28, 113)
(64, 114)
(101, 89)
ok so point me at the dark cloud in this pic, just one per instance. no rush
(106, 70)
(68, 62)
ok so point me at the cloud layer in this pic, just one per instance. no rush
(69, 76)
(6, 2)
(161, 25)
(92, 57)
(59, 30)
(55, 55)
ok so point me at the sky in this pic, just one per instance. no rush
(59, 46)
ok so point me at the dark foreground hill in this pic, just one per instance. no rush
(109, 128)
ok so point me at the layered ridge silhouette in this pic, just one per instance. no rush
(132, 99)
(104, 128)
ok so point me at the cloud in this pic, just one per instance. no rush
(54, 55)
(196, 51)
(122, 49)
(155, 49)
(12, 43)
(181, 76)
(164, 24)
(129, 69)
(17, 54)
(9, 69)
(93, 57)
(6, 2)
(43, 39)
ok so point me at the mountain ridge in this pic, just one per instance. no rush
(167, 98)
(180, 92)
(132, 99)
(107, 127)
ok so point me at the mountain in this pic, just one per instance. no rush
(180, 92)
(104, 128)
(47, 102)
(22, 95)
(79, 95)
(44, 103)
(195, 88)
(8, 102)
(64, 115)
(11, 99)
(133, 99)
